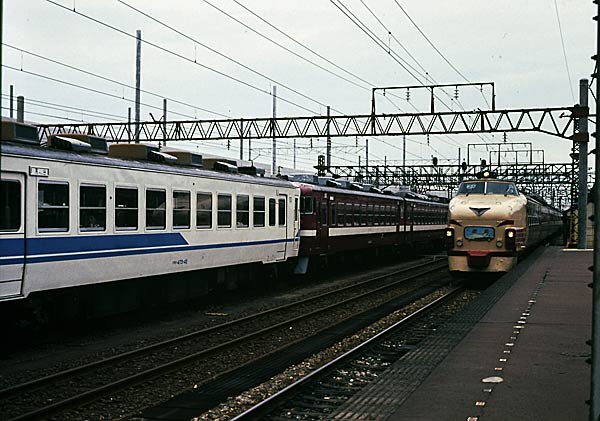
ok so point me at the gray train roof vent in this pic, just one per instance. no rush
(225, 167)
(68, 144)
(97, 144)
(13, 131)
(163, 157)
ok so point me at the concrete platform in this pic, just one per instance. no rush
(530, 344)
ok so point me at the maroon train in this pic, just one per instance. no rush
(341, 216)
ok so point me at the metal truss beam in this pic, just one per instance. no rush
(553, 182)
(553, 121)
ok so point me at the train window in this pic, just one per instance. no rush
(363, 214)
(242, 206)
(126, 208)
(224, 210)
(203, 210)
(324, 213)
(92, 208)
(181, 209)
(282, 212)
(296, 209)
(341, 214)
(156, 210)
(259, 211)
(53, 206)
(10, 196)
(333, 214)
(356, 214)
(272, 208)
(371, 214)
(306, 205)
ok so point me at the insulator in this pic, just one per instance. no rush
(407, 94)
(228, 144)
(456, 92)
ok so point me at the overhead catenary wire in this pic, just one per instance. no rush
(182, 57)
(564, 50)
(107, 79)
(68, 108)
(96, 91)
(237, 62)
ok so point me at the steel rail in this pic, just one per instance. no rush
(272, 402)
(149, 374)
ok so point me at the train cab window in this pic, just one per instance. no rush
(282, 212)
(307, 205)
(224, 211)
(181, 209)
(92, 208)
(126, 208)
(258, 213)
(203, 210)
(156, 210)
(242, 207)
(53, 206)
(272, 207)
(10, 197)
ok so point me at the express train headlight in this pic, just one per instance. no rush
(449, 238)
(499, 243)
(459, 243)
(510, 239)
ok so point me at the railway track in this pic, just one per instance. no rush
(79, 386)
(319, 393)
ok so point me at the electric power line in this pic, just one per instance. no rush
(180, 56)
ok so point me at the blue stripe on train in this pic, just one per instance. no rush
(90, 249)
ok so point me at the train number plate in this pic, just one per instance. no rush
(479, 233)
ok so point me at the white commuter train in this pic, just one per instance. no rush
(72, 218)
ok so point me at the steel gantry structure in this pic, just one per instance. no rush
(558, 121)
(550, 181)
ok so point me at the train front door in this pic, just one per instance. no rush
(12, 234)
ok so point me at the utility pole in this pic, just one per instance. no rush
(583, 164)
(138, 82)
(274, 171)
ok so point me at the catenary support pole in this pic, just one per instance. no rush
(583, 164)
(241, 139)
(328, 139)
(138, 82)
(274, 170)
(595, 378)
(164, 121)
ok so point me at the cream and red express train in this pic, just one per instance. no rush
(490, 223)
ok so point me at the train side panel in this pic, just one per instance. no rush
(154, 222)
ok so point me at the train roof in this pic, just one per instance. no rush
(355, 190)
(44, 153)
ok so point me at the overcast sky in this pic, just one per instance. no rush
(514, 43)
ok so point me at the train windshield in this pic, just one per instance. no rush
(488, 187)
